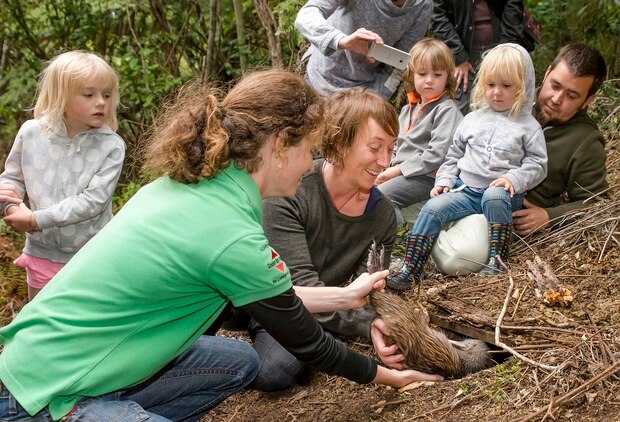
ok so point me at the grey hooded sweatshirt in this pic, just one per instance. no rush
(489, 144)
(69, 183)
(325, 22)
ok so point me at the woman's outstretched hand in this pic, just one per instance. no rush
(361, 287)
(398, 379)
(329, 299)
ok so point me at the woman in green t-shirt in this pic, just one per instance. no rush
(117, 334)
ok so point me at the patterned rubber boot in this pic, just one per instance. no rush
(499, 243)
(416, 254)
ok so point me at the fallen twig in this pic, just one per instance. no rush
(498, 324)
(514, 311)
(232, 417)
(477, 288)
(534, 327)
(447, 405)
(572, 394)
(610, 235)
(605, 352)
(388, 403)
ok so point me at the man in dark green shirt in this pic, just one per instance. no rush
(575, 146)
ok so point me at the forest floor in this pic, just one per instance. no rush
(565, 358)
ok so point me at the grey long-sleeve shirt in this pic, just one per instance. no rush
(421, 148)
(325, 22)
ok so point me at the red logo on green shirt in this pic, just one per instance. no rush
(276, 262)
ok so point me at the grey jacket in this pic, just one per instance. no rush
(421, 149)
(69, 183)
(489, 144)
(325, 22)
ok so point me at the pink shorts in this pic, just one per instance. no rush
(39, 271)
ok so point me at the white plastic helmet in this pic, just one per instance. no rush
(466, 238)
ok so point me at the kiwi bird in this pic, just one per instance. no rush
(424, 348)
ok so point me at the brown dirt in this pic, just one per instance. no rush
(582, 340)
(13, 290)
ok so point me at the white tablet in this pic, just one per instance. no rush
(389, 55)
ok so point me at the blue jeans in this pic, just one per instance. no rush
(494, 202)
(211, 370)
(279, 369)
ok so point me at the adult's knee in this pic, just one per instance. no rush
(273, 376)
(228, 355)
(278, 368)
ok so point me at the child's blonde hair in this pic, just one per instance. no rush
(500, 63)
(66, 74)
(434, 53)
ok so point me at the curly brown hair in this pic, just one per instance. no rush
(347, 113)
(196, 135)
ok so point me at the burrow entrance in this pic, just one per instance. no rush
(456, 330)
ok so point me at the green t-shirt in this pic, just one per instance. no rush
(141, 291)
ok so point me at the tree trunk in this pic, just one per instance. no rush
(240, 33)
(211, 39)
(271, 27)
(158, 12)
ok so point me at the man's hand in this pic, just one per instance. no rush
(389, 355)
(461, 72)
(359, 40)
(529, 219)
(387, 174)
(505, 183)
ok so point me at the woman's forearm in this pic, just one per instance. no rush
(325, 299)
(329, 299)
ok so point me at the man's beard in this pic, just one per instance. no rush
(543, 118)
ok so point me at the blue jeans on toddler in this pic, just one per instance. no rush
(405, 191)
(494, 202)
(211, 370)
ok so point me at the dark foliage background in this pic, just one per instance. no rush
(157, 45)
